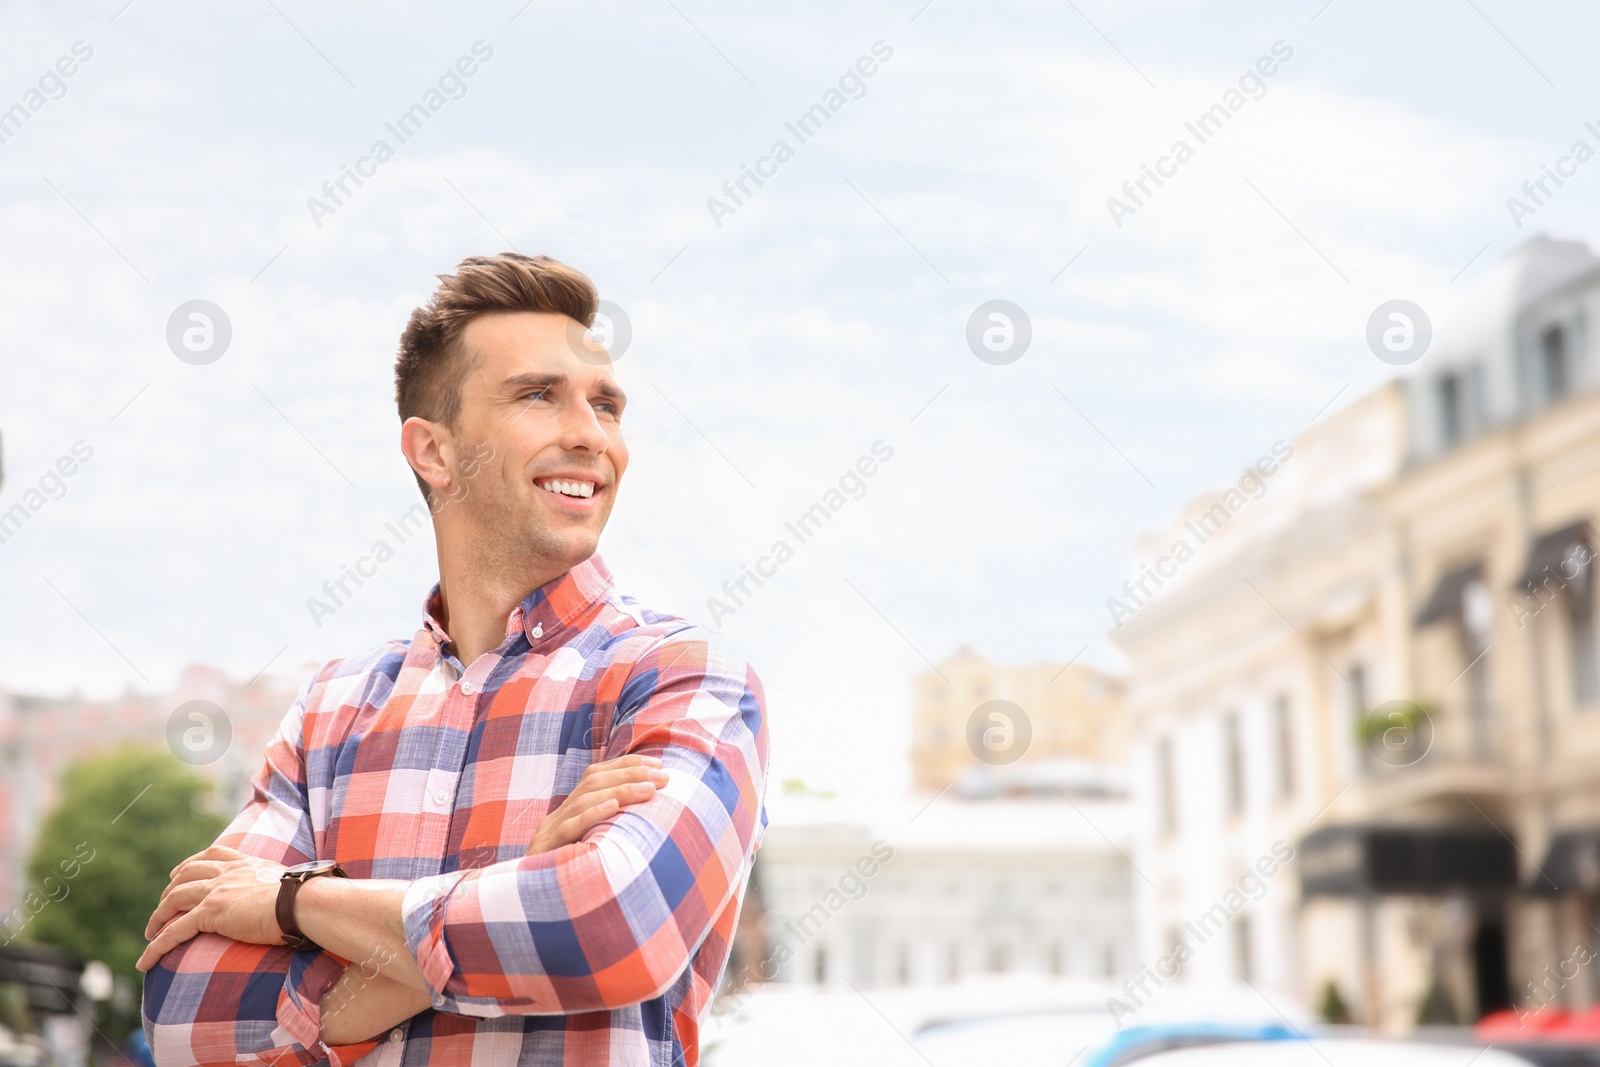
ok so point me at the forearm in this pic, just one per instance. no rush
(360, 1007)
(359, 920)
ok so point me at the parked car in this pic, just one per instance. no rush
(1137, 1043)
(1214, 1014)
(1336, 1052)
(1547, 1037)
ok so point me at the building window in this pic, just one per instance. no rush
(819, 965)
(953, 962)
(1174, 939)
(1166, 786)
(1233, 752)
(902, 964)
(1356, 697)
(1242, 948)
(1580, 619)
(1284, 729)
(1555, 367)
(998, 959)
(1477, 633)
(1452, 410)
(1109, 962)
(1057, 959)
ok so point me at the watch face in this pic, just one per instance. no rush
(312, 867)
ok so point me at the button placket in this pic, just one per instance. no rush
(455, 718)
(438, 790)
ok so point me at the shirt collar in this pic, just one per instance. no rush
(547, 613)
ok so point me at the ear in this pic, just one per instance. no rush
(430, 449)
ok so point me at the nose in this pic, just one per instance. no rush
(581, 430)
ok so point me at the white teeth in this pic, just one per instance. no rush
(577, 489)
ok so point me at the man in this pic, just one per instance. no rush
(546, 803)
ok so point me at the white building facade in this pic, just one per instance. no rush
(920, 893)
(1351, 660)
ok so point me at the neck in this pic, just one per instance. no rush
(479, 595)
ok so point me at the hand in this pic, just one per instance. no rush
(218, 891)
(600, 793)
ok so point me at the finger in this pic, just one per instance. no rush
(581, 823)
(581, 806)
(171, 936)
(620, 776)
(181, 899)
(632, 759)
(189, 870)
(629, 758)
(215, 852)
(628, 793)
(571, 827)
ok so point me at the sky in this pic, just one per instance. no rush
(776, 338)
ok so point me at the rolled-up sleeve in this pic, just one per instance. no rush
(614, 919)
(213, 1000)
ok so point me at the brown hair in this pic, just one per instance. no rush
(432, 360)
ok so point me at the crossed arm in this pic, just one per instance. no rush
(608, 915)
(228, 892)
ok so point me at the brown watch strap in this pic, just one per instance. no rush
(288, 889)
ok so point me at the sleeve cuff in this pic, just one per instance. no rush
(422, 911)
(312, 972)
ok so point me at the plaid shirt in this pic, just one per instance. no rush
(407, 764)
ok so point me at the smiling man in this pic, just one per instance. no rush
(522, 836)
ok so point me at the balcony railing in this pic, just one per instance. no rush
(1401, 737)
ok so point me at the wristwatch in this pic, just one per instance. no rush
(288, 886)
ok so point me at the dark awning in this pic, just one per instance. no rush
(1571, 865)
(1548, 554)
(50, 975)
(1446, 598)
(1357, 859)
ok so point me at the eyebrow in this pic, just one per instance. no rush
(540, 380)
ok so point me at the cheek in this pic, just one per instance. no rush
(618, 451)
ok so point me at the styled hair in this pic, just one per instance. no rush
(433, 360)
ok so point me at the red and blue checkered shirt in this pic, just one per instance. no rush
(407, 764)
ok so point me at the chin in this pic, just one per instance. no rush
(574, 548)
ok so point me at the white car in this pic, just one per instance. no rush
(1334, 1052)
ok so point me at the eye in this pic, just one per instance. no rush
(537, 394)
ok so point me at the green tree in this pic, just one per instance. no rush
(1333, 1008)
(105, 854)
(1437, 1009)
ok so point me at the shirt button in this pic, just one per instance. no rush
(438, 1002)
(467, 687)
(441, 798)
(396, 1036)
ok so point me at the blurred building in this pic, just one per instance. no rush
(1073, 712)
(922, 892)
(41, 736)
(1378, 650)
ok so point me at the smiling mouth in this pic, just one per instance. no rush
(564, 487)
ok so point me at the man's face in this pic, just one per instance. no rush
(539, 441)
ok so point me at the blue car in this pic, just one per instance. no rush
(1137, 1042)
